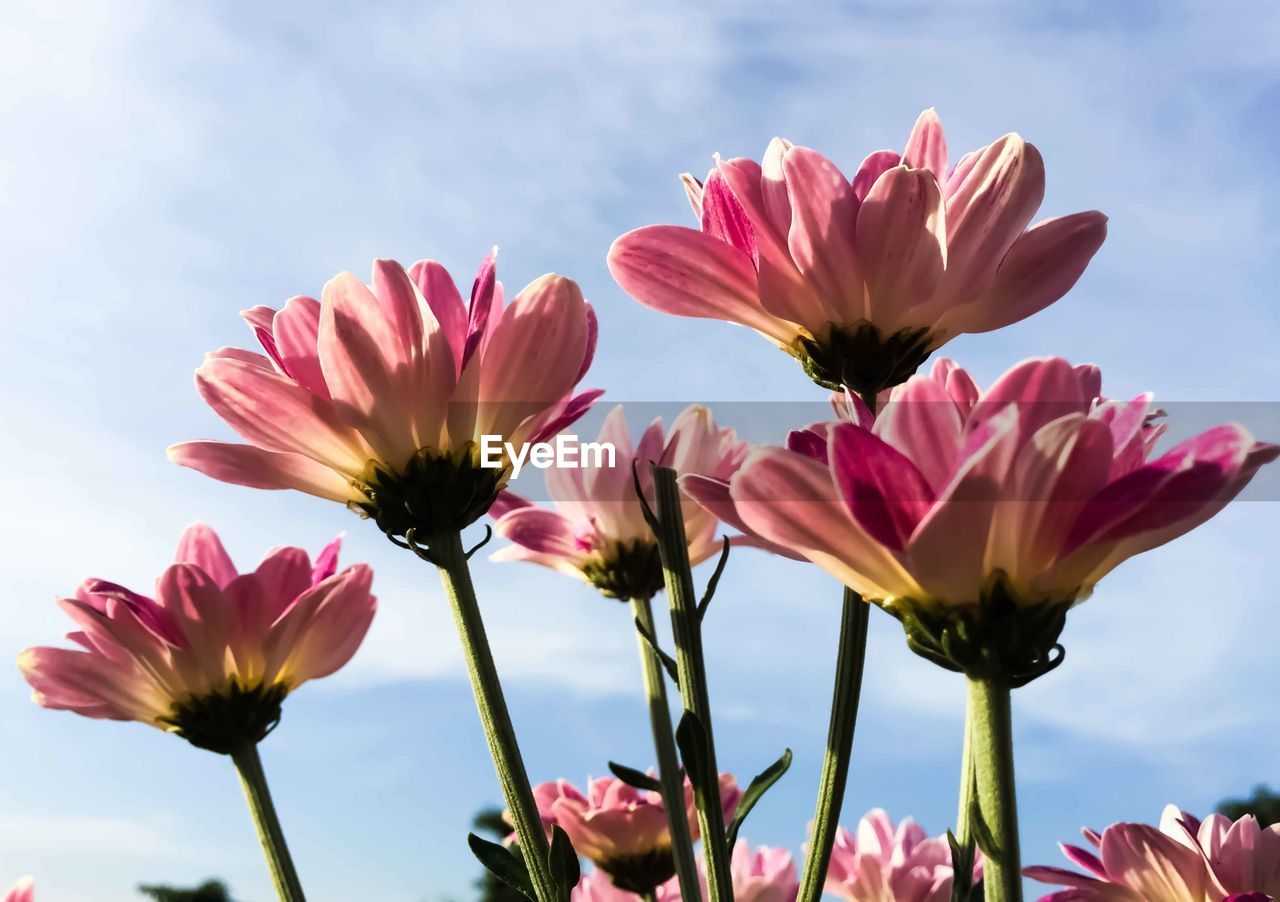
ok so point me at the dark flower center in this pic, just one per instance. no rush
(226, 721)
(863, 358)
(626, 571)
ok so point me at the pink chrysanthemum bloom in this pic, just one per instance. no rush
(597, 531)
(1185, 860)
(978, 519)
(379, 396)
(861, 279)
(623, 830)
(763, 874)
(23, 891)
(884, 863)
(213, 655)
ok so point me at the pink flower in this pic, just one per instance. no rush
(378, 396)
(860, 279)
(763, 875)
(597, 531)
(1185, 860)
(959, 505)
(621, 829)
(23, 891)
(883, 863)
(213, 655)
(597, 887)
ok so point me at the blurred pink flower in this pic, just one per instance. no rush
(213, 655)
(884, 863)
(378, 396)
(597, 531)
(1185, 860)
(763, 874)
(597, 887)
(862, 278)
(622, 830)
(23, 891)
(951, 500)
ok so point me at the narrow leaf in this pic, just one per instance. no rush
(565, 869)
(714, 581)
(502, 863)
(691, 738)
(668, 663)
(632, 777)
(649, 516)
(759, 786)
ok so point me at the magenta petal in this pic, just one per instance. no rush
(253, 467)
(327, 561)
(540, 530)
(441, 295)
(724, 217)
(884, 491)
(482, 293)
(875, 165)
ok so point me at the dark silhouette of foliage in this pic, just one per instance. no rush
(1264, 804)
(209, 891)
(492, 889)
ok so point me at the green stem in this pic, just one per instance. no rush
(664, 746)
(691, 668)
(997, 801)
(501, 735)
(835, 764)
(270, 834)
(964, 810)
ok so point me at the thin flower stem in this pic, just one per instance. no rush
(691, 668)
(964, 809)
(992, 743)
(501, 735)
(664, 746)
(270, 834)
(835, 765)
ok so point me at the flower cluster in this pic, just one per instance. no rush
(882, 862)
(1183, 860)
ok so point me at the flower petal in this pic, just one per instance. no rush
(686, 273)
(824, 213)
(927, 145)
(259, 469)
(201, 546)
(902, 244)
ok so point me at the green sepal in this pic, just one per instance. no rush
(714, 581)
(862, 357)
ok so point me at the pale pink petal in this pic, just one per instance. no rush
(201, 546)
(988, 211)
(204, 617)
(927, 146)
(684, 272)
(924, 423)
(902, 243)
(441, 295)
(790, 499)
(259, 469)
(824, 212)
(693, 191)
(276, 414)
(366, 367)
(1040, 267)
(88, 684)
(296, 329)
(322, 629)
(534, 355)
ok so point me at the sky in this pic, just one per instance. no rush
(167, 165)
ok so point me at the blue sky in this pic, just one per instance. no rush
(167, 165)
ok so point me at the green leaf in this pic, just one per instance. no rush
(668, 663)
(759, 786)
(502, 863)
(632, 777)
(963, 857)
(691, 738)
(565, 869)
(714, 581)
